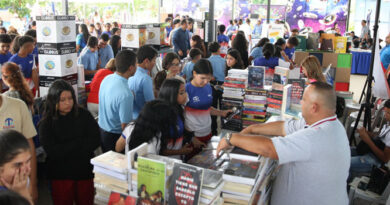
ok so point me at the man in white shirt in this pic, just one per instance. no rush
(365, 33)
(246, 27)
(314, 153)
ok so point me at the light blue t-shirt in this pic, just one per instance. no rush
(105, 55)
(187, 70)
(257, 29)
(142, 86)
(219, 65)
(89, 59)
(257, 52)
(385, 56)
(115, 103)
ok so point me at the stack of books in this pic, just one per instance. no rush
(211, 187)
(241, 177)
(233, 95)
(275, 97)
(254, 107)
(110, 171)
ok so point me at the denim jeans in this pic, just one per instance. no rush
(363, 163)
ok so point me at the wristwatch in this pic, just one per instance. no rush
(228, 136)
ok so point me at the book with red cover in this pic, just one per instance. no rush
(121, 199)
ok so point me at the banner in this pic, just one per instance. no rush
(381, 87)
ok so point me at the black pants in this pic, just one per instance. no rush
(108, 140)
(217, 100)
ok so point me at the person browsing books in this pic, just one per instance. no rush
(105, 51)
(171, 67)
(89, 58)
(199, 108)
(15, 163)
(141, 83)
(69, 135)
(308, 150)
(116, 100)
(257, 51)
(269, 59)
(311, 68)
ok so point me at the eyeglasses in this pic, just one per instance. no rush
(176, 64)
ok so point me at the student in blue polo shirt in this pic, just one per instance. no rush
(290, 47)
(89, 58)
(15, 158)
(116, 100)
(33, 33)
(25, 60)
(105, 50)
(195, 55)
(141, 83)
(5, 42)
(269, 59)
(218, 65)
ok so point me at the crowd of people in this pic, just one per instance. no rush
(176, 112)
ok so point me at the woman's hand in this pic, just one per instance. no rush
(19, 184)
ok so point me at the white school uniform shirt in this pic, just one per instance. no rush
(315, 164)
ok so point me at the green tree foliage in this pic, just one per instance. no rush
(18, 7)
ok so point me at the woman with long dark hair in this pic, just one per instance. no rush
(115, 43)
(197, 42)
(69, 135)
(241, 44)
(233, 60)
(280, 45)
(82, 38)
(159, 131)
(18, 87)
(171, 68)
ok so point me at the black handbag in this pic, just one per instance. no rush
(379, 179)
(362, 148)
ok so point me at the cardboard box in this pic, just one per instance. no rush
(299, 57)
(329, 58)
(133, 36)
(343, 75)
(56, 29)
(153, 34)
(340, 44)
(56, 48)
(342, 86)
(46, 81)
(57, 65)
(344, 61)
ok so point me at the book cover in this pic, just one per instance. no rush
(121, 199)
(135, 153)
(256, 77)
(241, 171)
(298, 87)
(186, 184)
(151, 181)
(212, 178)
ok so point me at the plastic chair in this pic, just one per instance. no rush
(355, 192)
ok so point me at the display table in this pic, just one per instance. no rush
(360, 62)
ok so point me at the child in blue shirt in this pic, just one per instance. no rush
(290, 47)
(25, 60)
(257, 51)
(89, 58)
(5, 42)
(195, 55)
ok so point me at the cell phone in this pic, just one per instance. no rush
(362, 186)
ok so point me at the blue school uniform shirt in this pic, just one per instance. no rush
(197, 115)
(289, 52)
(218, 64)
(26, 64)
(115, 103)
(187, 70)
(81, 42)
(89, 59)
(271, 62)
(257, 52)
(105, 55)
(107, 32)
(142, 86)
(5, 58)
(223, 38)
(385, 56)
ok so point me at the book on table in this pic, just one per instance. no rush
(111, 160)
